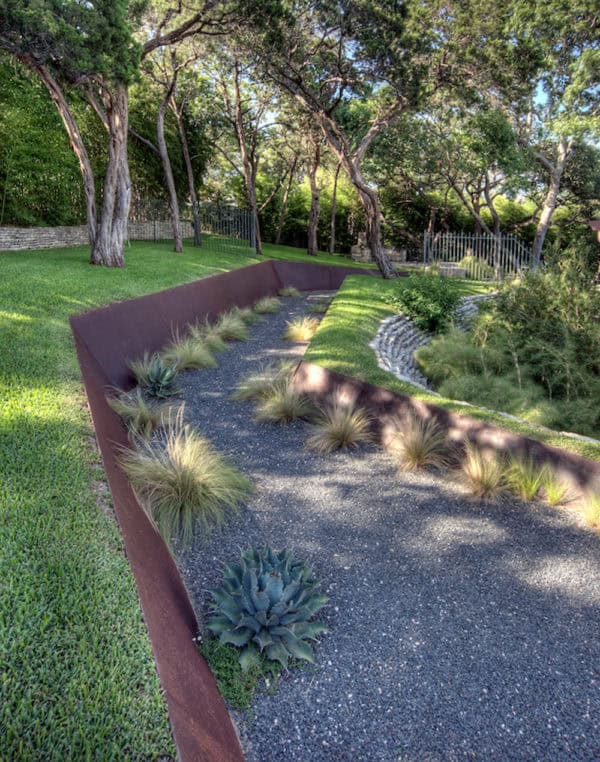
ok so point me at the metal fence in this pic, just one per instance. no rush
(223, 228)
(481, 256)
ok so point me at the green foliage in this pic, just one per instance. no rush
(340, 427)
(155, 377)
(141, 416)
(184, 482)
(231, 326)
(238, 686)
(267, 305)
(265, 606)
(533, 351)
(428, 300)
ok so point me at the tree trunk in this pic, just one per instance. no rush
(185, 149)
(168, 170)
(334, 209)
(284, 201)
(76, 142)
(111, 232)
(550, 201)
(370, 203)
(313, 216)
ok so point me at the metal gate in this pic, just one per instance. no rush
(481, 256)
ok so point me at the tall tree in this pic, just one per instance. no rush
(328, 54)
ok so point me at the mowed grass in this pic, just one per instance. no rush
(77, 676)
(341, 343)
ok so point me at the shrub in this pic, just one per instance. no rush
(301, 329)
(591, 511)
(525, 477)
(484, 476)
(140, 416)
(155, 377)
(448, 356)
(477, 268)
(289, 291)
(428, 300)
(554, 490)
(260, 385)
(340, 427)
(265, 605)
(420, 444)
(266, 305)
(284, 404)
(188, 352)
(184, 483)
(231, 327)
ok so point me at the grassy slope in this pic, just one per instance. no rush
(77, 675)
(342, 344)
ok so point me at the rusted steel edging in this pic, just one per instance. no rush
(106, 339)
(388, 408)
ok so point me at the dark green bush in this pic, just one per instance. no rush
(533, 351)
(429, 300)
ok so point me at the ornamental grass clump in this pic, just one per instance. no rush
(284, 404)
(340, 427)
(265, 607)
(267, 305)
(591, 511)
(554, 491)
(260, 385)
(289, 291)
(524, 477)
(301, 329)
(246, 314)
(231, 327)
(208, 334)
(141, 416)
(420, 444)
(184, 482)
(188, 352)
(154, 376)
(483, 475)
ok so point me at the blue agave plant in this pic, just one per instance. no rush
(264, 606)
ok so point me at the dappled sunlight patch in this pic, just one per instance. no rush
(446, 534)
(555, 574)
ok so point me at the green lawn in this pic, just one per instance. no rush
(77, 676)
(352, 321)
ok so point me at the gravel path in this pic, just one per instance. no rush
(456, 631)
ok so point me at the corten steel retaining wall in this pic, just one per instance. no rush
(388, 408)
(106, 339)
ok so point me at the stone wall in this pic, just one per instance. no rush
(16, 239)
(21, 239)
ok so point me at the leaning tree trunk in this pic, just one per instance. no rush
(313, 216)
(111, 233)
(189, 169)
(334, 209)
(168, 170)
(370, 203)
(76, 142)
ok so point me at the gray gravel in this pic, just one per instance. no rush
(456, 630)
